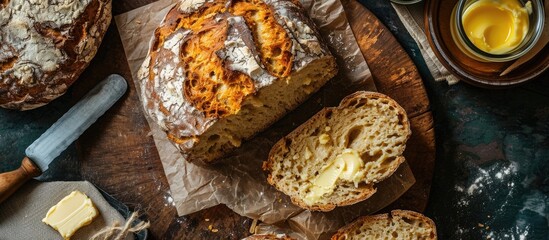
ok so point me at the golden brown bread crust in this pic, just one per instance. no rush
(406, 214)
(366, 191)
(44, 47)
(272, 40)
(200, 88)
(205, 72)
(209, 56)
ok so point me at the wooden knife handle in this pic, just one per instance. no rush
(11, 181)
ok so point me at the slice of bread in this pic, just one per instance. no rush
(398, 225)
(336, 157)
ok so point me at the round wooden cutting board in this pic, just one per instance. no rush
(118, 154)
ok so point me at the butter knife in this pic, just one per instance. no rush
(62, 133)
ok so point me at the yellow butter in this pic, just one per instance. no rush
(345, 166)
(71, 213)
(324, 138)
(353, 164)
(324, 183)
(496, 26)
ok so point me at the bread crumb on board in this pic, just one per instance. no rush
(212, 229)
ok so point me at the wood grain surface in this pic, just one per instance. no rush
(118, 154)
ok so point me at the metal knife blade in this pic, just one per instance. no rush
(71, 125)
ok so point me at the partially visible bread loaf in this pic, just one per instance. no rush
(398, 225)
(45, 45)
(220, 71)
(336, 157)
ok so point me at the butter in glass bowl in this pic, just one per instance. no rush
(497, 30)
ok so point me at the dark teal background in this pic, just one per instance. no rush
(19, 129)
(492, 167)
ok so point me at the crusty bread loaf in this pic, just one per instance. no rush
(398, 225)
(45, 45)
(220, 71)
(336, 157)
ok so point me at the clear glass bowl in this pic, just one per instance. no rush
(535, 30)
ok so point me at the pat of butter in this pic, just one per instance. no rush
(345, 166)
(71, 213)
(323, 138)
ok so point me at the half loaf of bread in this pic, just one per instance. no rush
(336, 157)
(398, 225)
(220, 71)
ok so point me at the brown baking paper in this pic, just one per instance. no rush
(238, 181)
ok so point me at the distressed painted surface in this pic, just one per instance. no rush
(19, 129)
(492, 169)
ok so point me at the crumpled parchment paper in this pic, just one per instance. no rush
(238, 181)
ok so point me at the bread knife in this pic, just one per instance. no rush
(62, 133)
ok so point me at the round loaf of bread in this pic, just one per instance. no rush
(45, 45)
(220, 71)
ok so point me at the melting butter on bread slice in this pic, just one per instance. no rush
(398, 225)
(336, 157)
